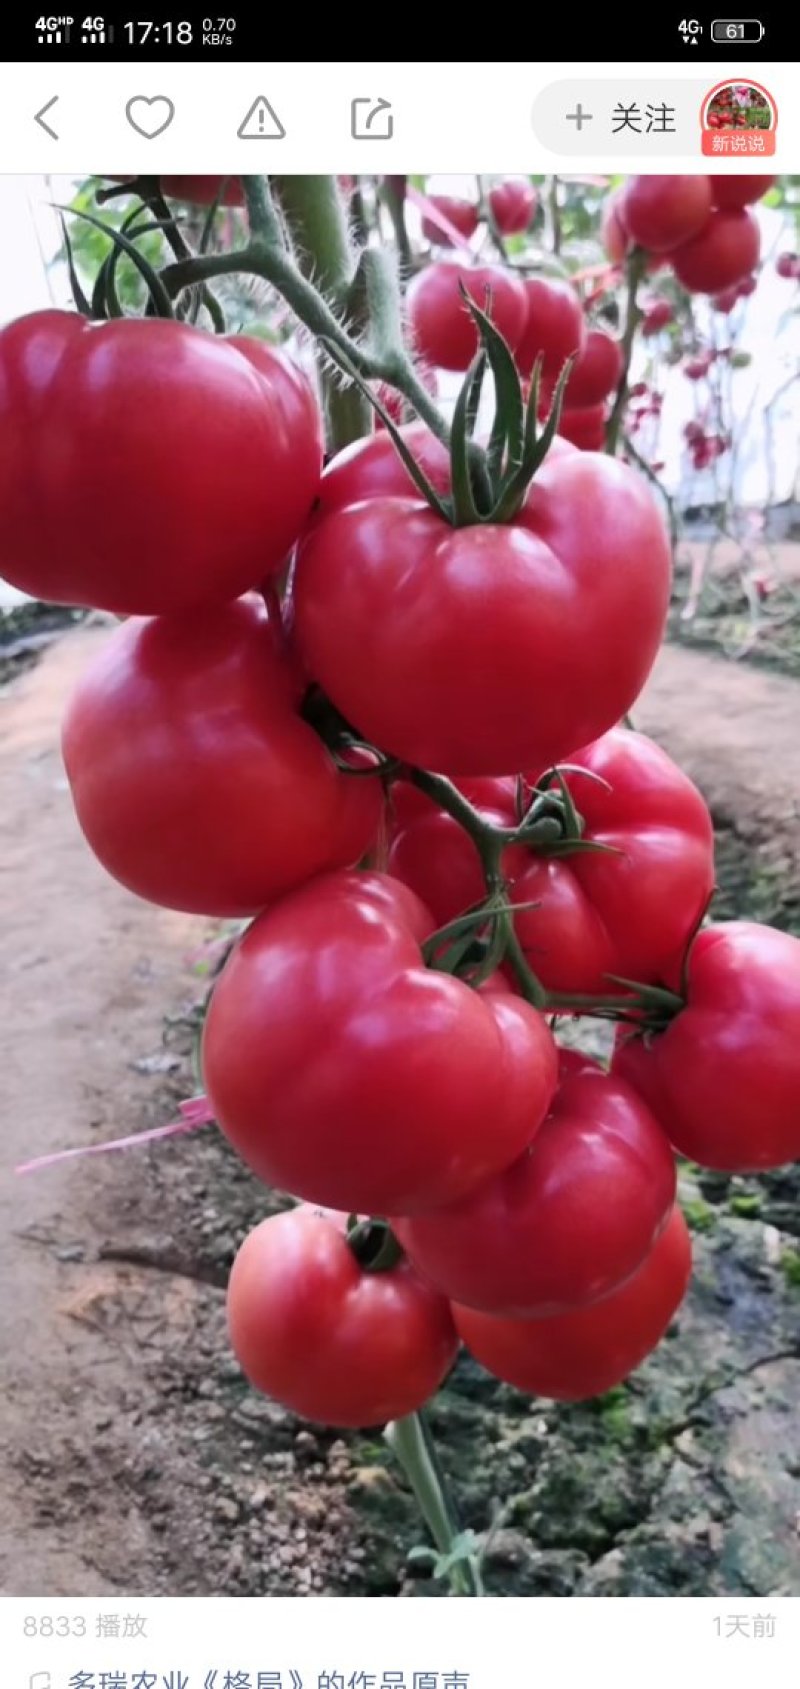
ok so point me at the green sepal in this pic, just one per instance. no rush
(159, 297)
(80, 300)
(508, 429)
(465, 509)
(132, 229)
(211, 215)
(417, 474)
(551, 774)
(535, 445)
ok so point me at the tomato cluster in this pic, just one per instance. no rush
(393, 737)
(702, 226)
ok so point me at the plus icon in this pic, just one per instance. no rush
(579, 117)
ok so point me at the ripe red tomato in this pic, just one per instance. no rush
(202, 190)
(596, 371)
(513, 205)
(554, 326)
(583, 1353)
(788, 266)
(195, 779)
(630, 912)
(462, 213)
(373, 468)
(731, 193)
(444, 332)
(725, 251)
(584, 428)
(328, 1339)
(147, 467)
(724, 1077)
(662, 212)
(488, 649)
(657, 314)
(567, 1223)
(345, 1071)
(197, 190)
(613, 229)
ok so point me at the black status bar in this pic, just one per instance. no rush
(169, 35)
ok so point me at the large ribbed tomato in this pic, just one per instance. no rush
(723, 1079)
(326, 1337)
(571, 1356)
(570, 1221)
(344, 1070)
(630, 911)
(146, 467)
(196, 780)
(490, 648)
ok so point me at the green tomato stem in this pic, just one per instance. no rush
(634, 270)
(268, 256)
(489, 841)
(315, 218)
(394, 196)
(414, 1450)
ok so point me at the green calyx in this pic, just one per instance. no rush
(373, 1244)
(549, 822)
(489, 483)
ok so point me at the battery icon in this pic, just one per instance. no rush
(734, 31)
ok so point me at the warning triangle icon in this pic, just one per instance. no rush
(262, 123)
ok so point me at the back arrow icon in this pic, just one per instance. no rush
(39, 118)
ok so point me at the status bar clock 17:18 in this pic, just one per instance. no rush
(139, 32)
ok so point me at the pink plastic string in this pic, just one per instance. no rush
(434, 215)
(195, 1112)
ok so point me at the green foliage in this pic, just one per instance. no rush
(790, 1267)
(745, 1205)
(699, 1215)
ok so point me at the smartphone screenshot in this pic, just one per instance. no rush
(399, 844)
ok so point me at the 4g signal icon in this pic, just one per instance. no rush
(54, 31)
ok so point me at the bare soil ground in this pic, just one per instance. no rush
(132, 1457)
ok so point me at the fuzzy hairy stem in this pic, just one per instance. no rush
(634, 270)
(268, 256)
(315, 218)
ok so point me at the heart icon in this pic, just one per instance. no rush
(150, 116)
